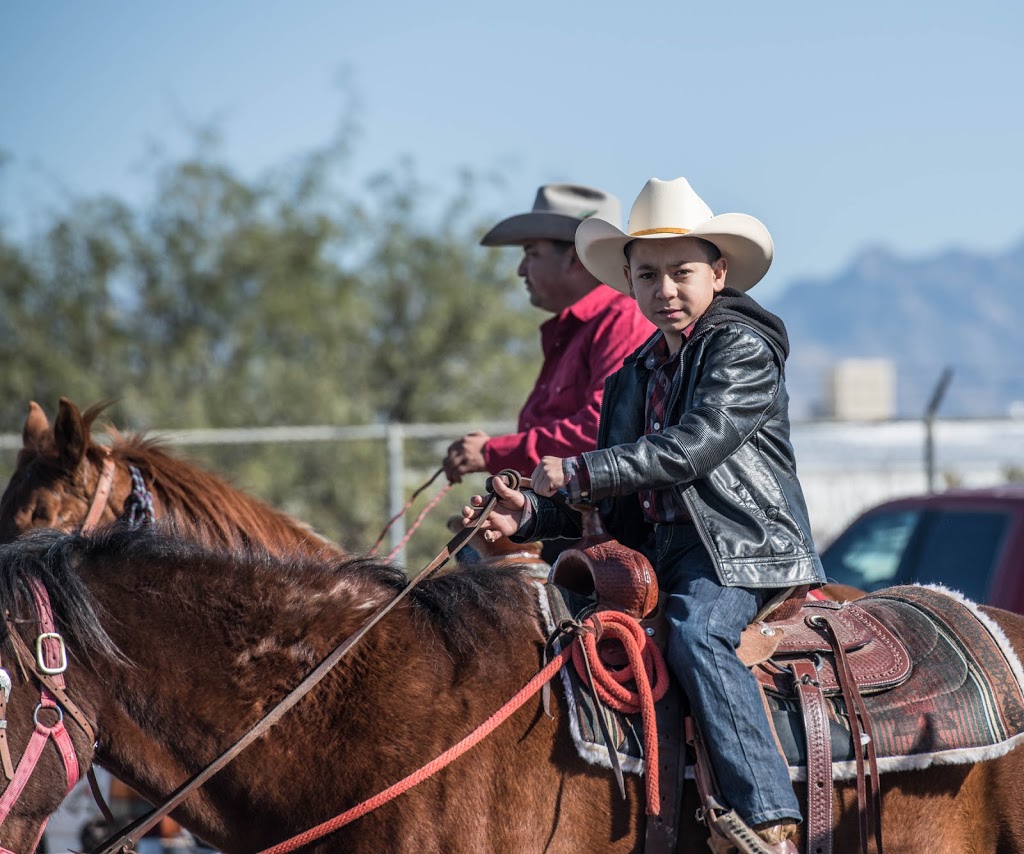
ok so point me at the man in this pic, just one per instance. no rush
(593, 329)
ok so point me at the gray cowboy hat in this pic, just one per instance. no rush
(557, 211)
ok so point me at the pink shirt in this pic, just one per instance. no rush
(582, 345)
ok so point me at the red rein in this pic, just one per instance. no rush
(646, 668)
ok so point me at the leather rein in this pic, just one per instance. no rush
(123, 843)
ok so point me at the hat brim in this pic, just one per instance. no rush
(517, 230)
(742, 239)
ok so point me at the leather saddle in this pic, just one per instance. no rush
(810, 633)
(601, 568)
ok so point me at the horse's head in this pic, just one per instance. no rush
(59, 473)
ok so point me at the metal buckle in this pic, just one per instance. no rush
(5, 684)
(60, 668)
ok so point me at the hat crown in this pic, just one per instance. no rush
(667, 205)
(578, 202)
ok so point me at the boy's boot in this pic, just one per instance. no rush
(777, 837)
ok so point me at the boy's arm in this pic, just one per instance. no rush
(736, 393)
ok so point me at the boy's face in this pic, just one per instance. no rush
(673, 283)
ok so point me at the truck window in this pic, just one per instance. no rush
(959, 549)
(869, 553)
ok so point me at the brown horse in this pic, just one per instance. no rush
(59, 469)
(216, 638)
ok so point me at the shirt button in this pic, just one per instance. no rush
(657, 426)
(647, 505)
(584, 494)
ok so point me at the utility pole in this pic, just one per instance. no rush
(929, 423)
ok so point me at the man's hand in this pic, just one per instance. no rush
(548, 477)
(465, 455)
(504, 519)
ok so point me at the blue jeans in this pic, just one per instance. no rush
(705, 620)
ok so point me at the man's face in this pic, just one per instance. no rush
(544, 267)
(673, 283)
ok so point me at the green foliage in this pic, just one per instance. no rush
(292, 299)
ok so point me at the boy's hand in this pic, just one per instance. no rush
(506, 516)
(548, 477)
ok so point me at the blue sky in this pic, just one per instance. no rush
(839, 125)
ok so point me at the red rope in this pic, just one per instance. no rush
(405, 507)
(645, 662)
(419, 520)
(646, 670)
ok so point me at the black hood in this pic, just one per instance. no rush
(731, 305)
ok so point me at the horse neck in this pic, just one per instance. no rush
(216, 644)
(212, 511)
(212, 648)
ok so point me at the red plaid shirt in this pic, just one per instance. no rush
(661, 505)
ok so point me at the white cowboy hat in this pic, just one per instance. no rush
(672, 209)
(557, 211)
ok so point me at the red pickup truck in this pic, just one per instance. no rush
(971, 540)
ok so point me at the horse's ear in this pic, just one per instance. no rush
(69, 433)
(36, 432)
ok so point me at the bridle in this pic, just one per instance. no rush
(50, 661)
(47, 664)
(138, 506)
(102, 494)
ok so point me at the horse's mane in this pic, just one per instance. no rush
(460, 605)
(216, 509)
(50, 558)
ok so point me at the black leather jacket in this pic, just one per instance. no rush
(726, 453)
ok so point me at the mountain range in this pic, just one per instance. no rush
(957, 309)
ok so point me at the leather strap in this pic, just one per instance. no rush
(101, 495)
(662, 830)
(97, 795)
(860, 731)
(5, 748)
(819, 758)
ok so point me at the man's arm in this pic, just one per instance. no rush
(619, 334)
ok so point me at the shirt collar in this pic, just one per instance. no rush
(591, 304)
(655, 352)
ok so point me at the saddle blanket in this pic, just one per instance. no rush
(963, 703)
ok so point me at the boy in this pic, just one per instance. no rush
(695, 465)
